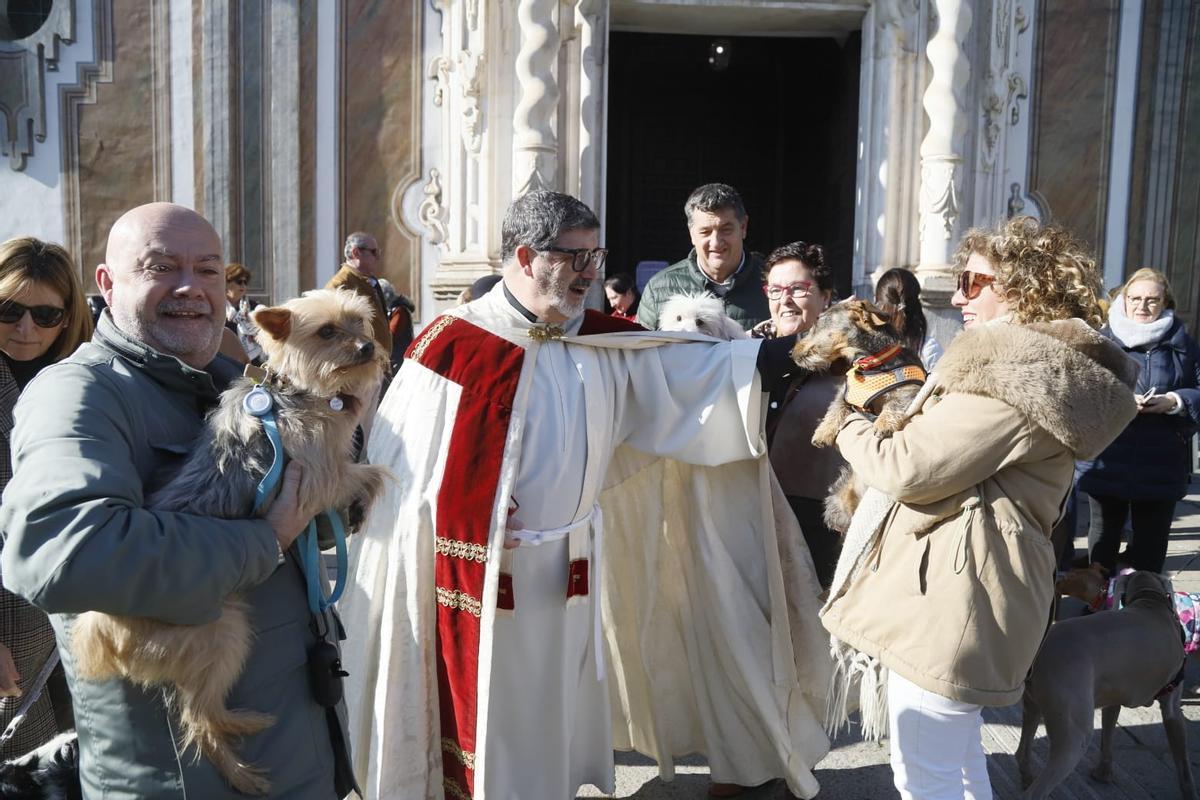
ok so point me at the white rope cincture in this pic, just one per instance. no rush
(595, 518)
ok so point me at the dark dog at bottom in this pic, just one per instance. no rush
(1132, 657)
(49, 773)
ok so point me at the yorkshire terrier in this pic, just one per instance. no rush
(849, 337)
(322, 366)
(699, 313)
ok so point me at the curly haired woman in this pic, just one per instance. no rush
(944, 589)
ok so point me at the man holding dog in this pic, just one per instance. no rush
(718, 263)
(548, 463)
(95, 435)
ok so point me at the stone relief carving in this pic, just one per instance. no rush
(431, 211)
(24, 63)
(939, 195)
(1016, 204)
(470, 70)
(439, 71)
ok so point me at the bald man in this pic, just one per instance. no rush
(95, 435)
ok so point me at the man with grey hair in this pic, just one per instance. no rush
(482, 662)
(718, 263)
(360, 273)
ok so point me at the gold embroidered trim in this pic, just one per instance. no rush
(427, 338)
(467, 759)
(454, 790)
(457, 549)
(460, 601)
(546, 333)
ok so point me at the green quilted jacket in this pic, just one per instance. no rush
(746, 302)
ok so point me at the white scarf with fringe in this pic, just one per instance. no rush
(853, 669)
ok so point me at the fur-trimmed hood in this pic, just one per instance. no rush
(1067, 378)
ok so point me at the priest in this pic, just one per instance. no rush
(584, 549)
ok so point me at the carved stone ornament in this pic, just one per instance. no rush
(431, 211)
(470, 72)
(439, 71)
(24, 62)
(939, 196)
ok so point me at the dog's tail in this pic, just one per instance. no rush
(212, 733)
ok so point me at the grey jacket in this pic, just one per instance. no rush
(745, 302)
(95, 435)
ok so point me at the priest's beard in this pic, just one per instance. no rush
(552, 284)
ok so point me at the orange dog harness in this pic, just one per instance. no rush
(873, 376)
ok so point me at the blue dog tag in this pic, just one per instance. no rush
(258, 402)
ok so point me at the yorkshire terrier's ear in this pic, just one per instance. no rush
(276, 321)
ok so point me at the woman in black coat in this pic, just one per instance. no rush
(1144, 473)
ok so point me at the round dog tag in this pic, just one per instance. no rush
(336, 403)
(258, 402)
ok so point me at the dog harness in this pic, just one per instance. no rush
(871, 377)
(259, 403)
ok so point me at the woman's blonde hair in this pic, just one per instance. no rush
(1151, 274)
(26, 262)
(1046, 273)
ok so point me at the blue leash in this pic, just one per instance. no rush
(259, 403)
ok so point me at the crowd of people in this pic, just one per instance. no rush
(600, 535)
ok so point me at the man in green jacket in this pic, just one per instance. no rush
(95, 435)
(718, 263)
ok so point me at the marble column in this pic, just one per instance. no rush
(941, 151)
(535, 144)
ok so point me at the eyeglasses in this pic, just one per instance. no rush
(242, 281)
(43, 316)
(581, 257)
(1149, 302)
(798, 291)
(375, 251)
(972, 283)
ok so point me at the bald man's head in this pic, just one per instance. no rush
(164, 280)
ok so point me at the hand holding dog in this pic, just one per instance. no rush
(8, 674)
(287, 517)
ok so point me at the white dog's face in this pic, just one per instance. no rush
(698, 313)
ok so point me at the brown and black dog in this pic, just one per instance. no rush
(882, 378)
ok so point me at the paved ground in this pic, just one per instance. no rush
(857, 770)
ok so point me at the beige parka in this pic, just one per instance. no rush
(956, 591)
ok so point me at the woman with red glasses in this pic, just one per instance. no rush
(44, 316)
(799, 286)
(945, 586)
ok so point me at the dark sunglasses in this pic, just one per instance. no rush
(581, 257)
(242, 281)
(972, 283)
(43, 316)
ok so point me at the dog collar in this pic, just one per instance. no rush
(259, 401)
(873, 376)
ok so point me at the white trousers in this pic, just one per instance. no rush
(937, 745)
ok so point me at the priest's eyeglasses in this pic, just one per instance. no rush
(798, 291)
(581, 257)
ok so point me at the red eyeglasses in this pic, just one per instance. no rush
(972, 283)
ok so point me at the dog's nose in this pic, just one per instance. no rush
(366, 348)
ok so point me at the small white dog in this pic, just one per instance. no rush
(699, 313)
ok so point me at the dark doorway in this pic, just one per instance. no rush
(774, 117)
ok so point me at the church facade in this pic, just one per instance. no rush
(882, 128)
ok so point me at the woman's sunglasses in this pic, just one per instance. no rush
(972, 283)
(43, 316)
